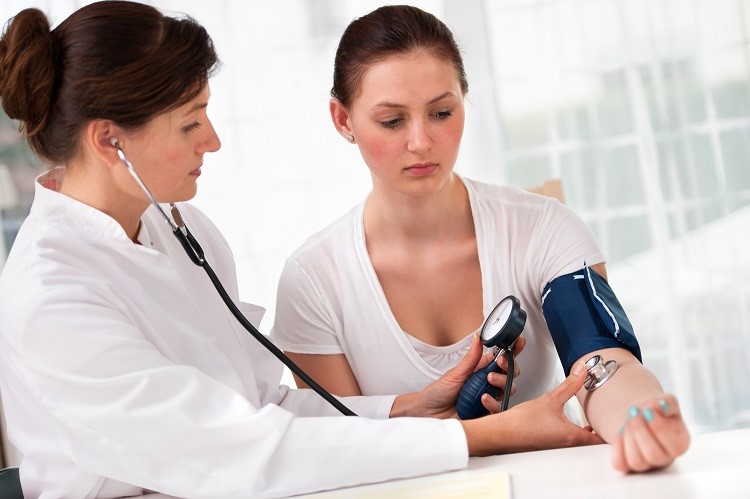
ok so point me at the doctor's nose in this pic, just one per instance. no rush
(211, 142)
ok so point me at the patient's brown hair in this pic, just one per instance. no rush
(387, 31)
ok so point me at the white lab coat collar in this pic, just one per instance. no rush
(66, 211)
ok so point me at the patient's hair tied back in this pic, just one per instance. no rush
(384, 32)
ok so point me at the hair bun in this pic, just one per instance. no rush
(27, 70)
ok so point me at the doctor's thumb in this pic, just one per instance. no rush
(572, 383)
(468, 364)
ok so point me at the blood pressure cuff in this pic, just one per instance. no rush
(583, 315)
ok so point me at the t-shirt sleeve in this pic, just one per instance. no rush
(304, 322)
(562, 243)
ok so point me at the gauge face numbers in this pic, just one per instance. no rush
(504, 324)
(497, 320)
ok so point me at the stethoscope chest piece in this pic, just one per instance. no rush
(598, 372)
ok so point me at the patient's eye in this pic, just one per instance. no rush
(443, 115)
(391, 124)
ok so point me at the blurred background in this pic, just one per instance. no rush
(641, 107)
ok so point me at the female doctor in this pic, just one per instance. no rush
(121, 370)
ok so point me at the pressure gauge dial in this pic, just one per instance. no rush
(504, 324)
(501, 329)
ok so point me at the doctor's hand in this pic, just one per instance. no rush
(438, 399)
(500, 380)
(653, 436)
(533, 425)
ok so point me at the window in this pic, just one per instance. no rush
(18, 167)
(642, 107)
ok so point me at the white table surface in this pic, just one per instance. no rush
(717, 465)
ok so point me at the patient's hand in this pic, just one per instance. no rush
(653, 436)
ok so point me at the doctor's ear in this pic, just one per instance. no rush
(100, 138)
(340, 117)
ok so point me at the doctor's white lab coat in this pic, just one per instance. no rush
(122, 372)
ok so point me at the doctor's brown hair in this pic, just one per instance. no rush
(388, 31)
(116, 60)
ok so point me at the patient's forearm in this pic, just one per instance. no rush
(607, 407)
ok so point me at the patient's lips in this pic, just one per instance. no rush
(422, 169)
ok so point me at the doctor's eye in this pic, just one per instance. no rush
(189, 128)
(391, 124)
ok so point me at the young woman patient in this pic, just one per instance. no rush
(388, 297)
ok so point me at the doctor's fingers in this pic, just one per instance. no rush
(486, 359)
(502, 361)
(500, 380)
(491, 404)
(519, 346)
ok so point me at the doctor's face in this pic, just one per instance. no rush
(407, 120)
(168, 152)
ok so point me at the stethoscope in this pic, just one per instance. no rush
(196, 255)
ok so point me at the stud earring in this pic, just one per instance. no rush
(350, 138)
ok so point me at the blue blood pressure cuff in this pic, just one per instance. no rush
(583, 315)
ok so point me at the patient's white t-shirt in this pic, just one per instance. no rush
(330, 300)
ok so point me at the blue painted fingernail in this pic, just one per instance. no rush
(633, 412)
(648, 415)
(664, 406)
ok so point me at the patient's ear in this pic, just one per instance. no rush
(340, 117)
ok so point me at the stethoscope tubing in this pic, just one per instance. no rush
(196, 255)
(510, 374)
(268, 344)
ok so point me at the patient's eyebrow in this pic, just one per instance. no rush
(396, 105)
